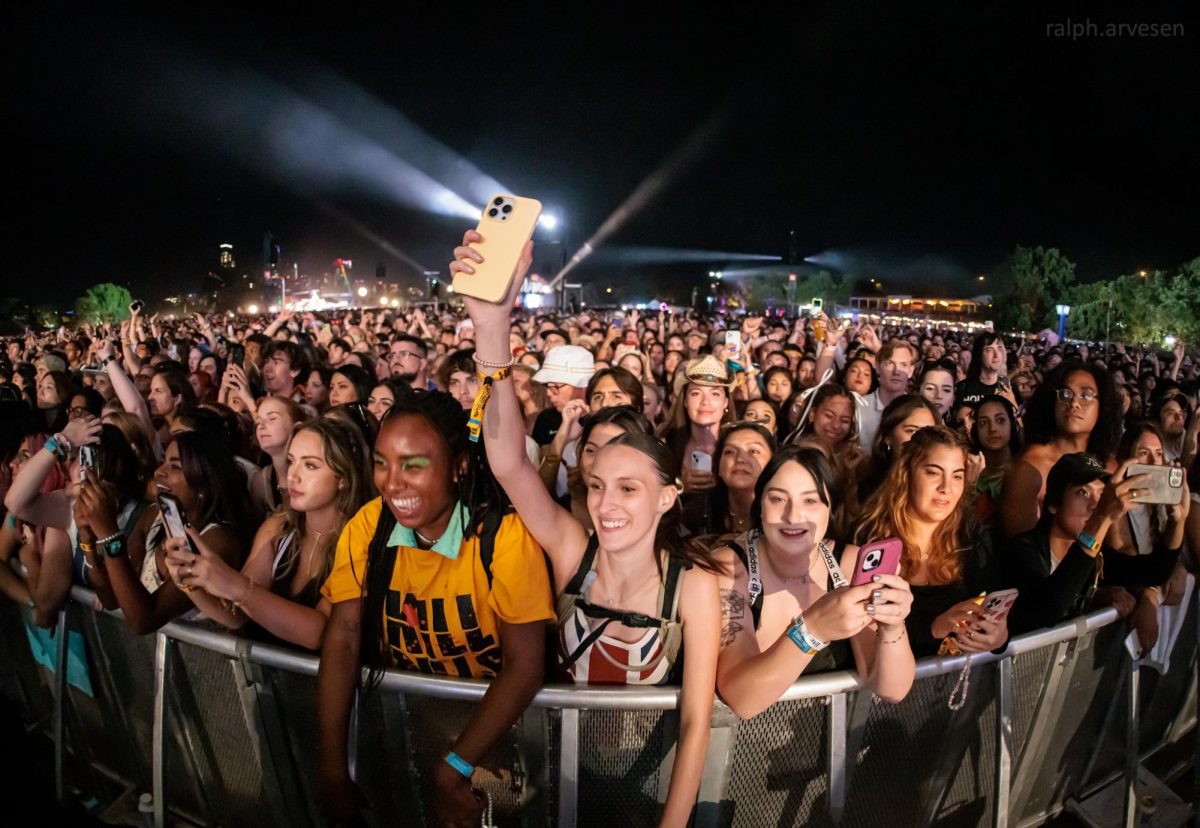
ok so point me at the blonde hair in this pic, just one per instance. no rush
(887, 513)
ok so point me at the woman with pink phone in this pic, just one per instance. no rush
(947, 557)
(786, 605)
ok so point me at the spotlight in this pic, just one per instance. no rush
(252, 309)
(362, 291)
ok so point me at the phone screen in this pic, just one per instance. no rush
(173, 517)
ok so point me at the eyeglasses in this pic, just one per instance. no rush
(1067, 395)
(77, 411)
(555, 387)
(405, 355)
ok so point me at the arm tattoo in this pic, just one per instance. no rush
(733, 610)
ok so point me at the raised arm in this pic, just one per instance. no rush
(127, 393)
(563, 538)
(51, 509)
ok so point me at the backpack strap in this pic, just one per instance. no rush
(487, 543)
(574, 588)
(670, 627)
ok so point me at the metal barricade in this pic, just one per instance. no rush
(222, 731)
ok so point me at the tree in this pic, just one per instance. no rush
(1034, 281)
(1139, 309)
(771, 289)
(104, 302)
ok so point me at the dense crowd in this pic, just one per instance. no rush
(629, 498)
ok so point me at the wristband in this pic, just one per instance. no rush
(460, 764)
(1088, 542)
(803, 638)
(58, 446)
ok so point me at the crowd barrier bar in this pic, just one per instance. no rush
(1013, 739)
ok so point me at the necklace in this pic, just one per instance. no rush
(424, 540)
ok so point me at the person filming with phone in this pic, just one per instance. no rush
(948, 558)
(1067, 561)
(786, 604)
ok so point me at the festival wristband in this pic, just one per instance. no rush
(1088, 542)
(460, 764)
(475, 421)
(803, 638)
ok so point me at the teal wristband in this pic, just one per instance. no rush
(1087, 541)
(460, 764)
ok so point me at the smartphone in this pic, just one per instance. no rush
(136, 306)
(237, 355)
(733, 346)
(701, 461)
(92, 371)
(997, 604)
(88, 456)
(1165, 485)
(507, 224)
(174, 518)
(618, 321)
(881, 557)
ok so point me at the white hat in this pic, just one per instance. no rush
(568, 364)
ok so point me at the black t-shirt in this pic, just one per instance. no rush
(546, 426)
(972, 391)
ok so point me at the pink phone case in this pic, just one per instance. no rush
(881, 557)
(997, 604)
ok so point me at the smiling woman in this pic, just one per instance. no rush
(432, 576)
(947, 557)
(632, 595)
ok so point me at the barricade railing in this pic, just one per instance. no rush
(221, 730)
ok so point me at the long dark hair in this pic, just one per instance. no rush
(1014, 436)
(1041, 427)
(216, 480)
(478, 492)
(669, 536)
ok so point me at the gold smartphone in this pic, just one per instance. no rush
(507, 223)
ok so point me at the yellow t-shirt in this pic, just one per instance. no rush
(441, 615)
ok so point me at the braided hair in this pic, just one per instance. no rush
(477, 490)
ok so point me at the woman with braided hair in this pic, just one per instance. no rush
(436, 576)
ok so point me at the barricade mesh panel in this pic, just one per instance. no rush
(295, 703)
(103, 758)
(1096, 663)
(971, 796)
(406, 765)
(553, 733)
(1028, 682)
(620, 754)
(131, 660)
(779, 775)
(911, 751)
(210, 721)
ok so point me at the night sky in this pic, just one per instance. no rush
(913, 141)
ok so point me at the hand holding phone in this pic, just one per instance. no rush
(880, 557)
(1163, 484)
(702, 461)
(174, 518)
(505, 228)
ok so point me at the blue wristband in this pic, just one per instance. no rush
(460, 764)
(1088, 542)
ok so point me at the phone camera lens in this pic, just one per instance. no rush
(507, 208)
(493, 212)
(498, 200)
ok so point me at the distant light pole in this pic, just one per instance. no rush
(1063, 312)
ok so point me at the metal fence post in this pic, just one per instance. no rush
(60, 704)
(158, 735)
(1131, 745)
(718, 762)
(837, 756)
(1004, 740)
(568, 768)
